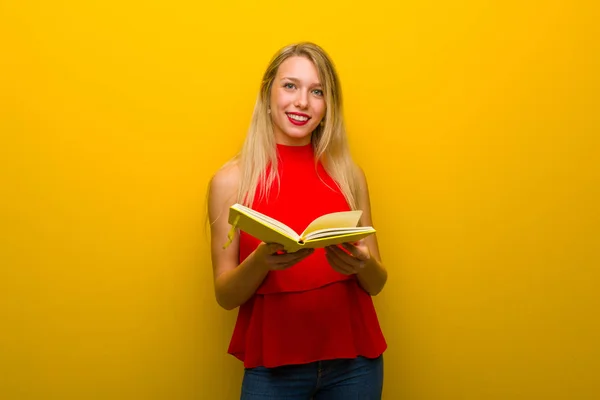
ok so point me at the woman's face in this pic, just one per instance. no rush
(297, 101)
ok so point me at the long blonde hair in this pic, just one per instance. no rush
(328, 139)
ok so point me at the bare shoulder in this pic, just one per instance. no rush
(363, 197)
(226, 179)
(361, 178)
(223, 188)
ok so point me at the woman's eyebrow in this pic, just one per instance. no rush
(296, 80)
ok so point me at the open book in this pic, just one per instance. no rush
(326, 230)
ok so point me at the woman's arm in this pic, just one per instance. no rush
(235, 284)
(373, 275)
(364, 259)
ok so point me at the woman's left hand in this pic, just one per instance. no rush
(349, 259)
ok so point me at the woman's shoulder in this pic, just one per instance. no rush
(359, 175)
(224, 183)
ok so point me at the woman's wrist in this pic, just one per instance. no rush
(257, 259)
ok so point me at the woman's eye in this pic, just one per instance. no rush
(318, 92)
(289, 86)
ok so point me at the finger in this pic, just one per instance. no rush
(286, 260)
(355, 251)
(358, 256)
(301, 255)
(287, 264)
(302, 251)
(294, 260)
(274, 248)
(339, 266)
(346, 258)
(343, 260)
(296, 255)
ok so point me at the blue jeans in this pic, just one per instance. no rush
(344, 379)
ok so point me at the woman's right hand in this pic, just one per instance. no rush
(269, 255)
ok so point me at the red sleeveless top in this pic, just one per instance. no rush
(308, 312)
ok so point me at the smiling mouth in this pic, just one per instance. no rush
(297, 119)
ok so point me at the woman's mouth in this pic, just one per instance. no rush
(298, 118)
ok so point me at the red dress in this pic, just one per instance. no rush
(308, 312)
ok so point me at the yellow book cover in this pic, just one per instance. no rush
(326, 230)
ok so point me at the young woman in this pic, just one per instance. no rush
(306, 326)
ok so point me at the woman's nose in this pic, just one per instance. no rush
(302, 99)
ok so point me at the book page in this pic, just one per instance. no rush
(324, 233)
(266, 220)
(343, 219)
(338, 239)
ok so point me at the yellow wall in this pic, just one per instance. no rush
(476, 122)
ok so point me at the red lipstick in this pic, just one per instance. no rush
(297, 118)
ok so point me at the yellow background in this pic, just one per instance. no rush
(476, 122)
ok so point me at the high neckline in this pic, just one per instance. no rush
(281, 145)
(295, 152)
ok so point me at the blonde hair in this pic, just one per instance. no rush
(328, 139)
